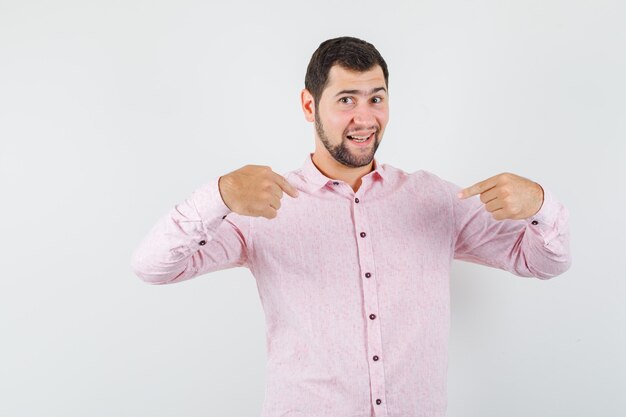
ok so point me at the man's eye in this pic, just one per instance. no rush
(345, 100)
(377, 100)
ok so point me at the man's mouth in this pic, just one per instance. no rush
(361, 138)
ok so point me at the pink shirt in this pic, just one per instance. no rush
(354, 286)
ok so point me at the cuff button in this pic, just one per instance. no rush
(202, 243)
(534, 222)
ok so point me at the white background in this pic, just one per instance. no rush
(111, 112)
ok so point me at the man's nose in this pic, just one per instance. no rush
(364, 116)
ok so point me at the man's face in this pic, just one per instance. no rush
(352, 114)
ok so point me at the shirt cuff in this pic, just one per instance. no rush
(545, 219)
(209, 202)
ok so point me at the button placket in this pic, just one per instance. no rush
(370, 303)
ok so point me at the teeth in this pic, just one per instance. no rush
(359, 139)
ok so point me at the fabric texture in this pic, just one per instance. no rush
(355, 294)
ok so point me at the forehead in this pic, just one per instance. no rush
(340, 78)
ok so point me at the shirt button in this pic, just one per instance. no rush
(202, 243)
(378, 401)
(223, 217)
(372, 316)
(367, 275)
(356, 200)
(335, 183)
(363, 234)
(375, 358)
(535, 222)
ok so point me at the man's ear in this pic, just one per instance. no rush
(308, 105)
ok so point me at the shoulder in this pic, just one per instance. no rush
(421, 178)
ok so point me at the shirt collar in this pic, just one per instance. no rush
(314, 176)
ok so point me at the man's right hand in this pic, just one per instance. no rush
(254, 190)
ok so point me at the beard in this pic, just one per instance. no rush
(342, 152)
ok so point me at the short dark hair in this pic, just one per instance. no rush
(350, 53)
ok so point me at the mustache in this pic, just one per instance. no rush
(352, 131)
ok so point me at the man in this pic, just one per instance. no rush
(352, 264)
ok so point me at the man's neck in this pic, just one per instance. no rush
(333, 169)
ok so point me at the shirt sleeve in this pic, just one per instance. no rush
(193, 238)
(534, 247)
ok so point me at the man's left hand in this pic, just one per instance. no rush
(507, 196)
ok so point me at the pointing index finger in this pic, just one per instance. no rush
(286, 185)
(478, 188)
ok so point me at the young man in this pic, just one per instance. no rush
(352, 266)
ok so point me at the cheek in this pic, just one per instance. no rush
(382, 122)
(383, 116)
(337, 122)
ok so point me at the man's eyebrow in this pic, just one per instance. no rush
(361, 92)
